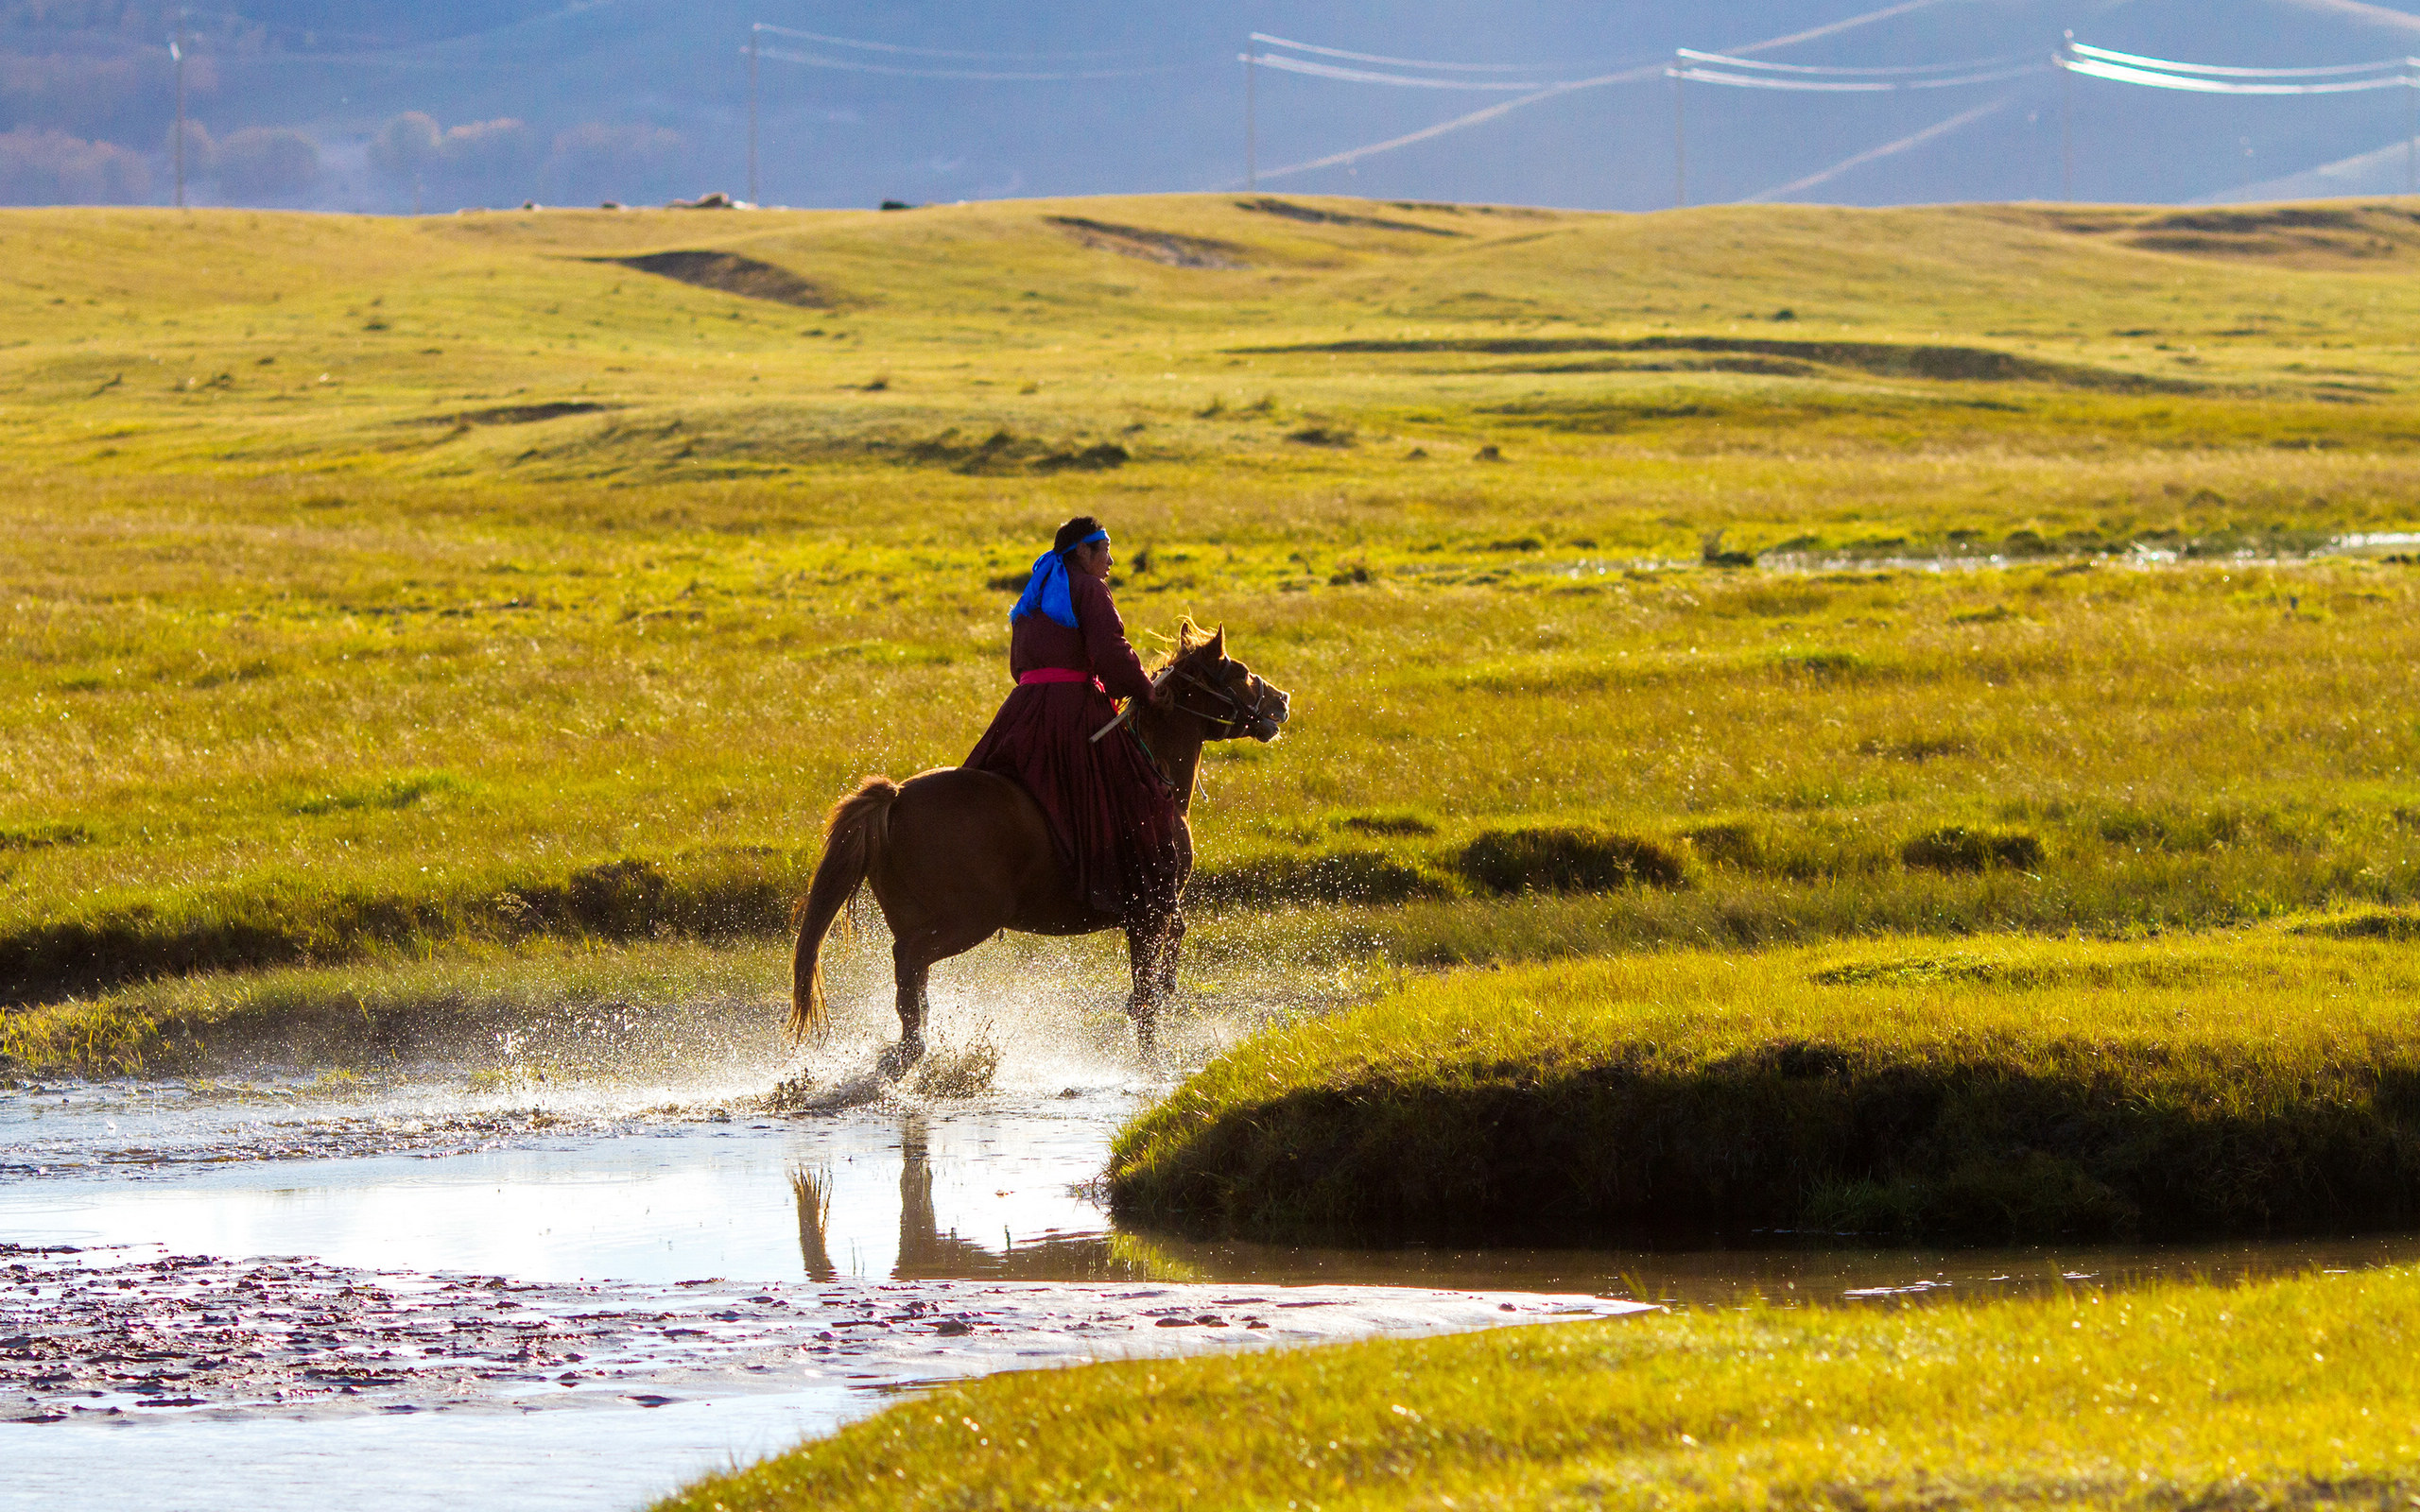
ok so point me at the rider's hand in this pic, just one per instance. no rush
(1164, 695)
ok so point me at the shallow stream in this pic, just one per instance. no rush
(586, 1294)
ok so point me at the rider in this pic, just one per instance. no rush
(1111, 811)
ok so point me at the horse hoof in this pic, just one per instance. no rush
(895, 1060)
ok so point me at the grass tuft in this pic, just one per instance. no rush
(2010, 1090)
(1557, 859)
(1955, 848)
(1391, 823)
(1367, 876)
(2402, 925)
(713, 893)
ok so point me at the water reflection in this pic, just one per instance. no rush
(956, 1158)
(927, 1251)
(1790, 1276)
(887, 1193)
(812, 1190)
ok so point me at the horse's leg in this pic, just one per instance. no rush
(949, 879)
(912, 954)
(1141, 1004)
(910, 967)
(1146, 942)
(1168, 950)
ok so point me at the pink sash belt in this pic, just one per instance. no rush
(1039, 675)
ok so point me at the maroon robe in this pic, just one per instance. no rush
(1111, 812)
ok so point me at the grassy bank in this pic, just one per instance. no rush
(581, 1005)
(1994, 1088)
(2296, 1393)
(541, 1004)
(382, 585)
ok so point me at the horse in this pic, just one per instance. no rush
(954, 855)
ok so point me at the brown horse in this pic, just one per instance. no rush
(956, 855)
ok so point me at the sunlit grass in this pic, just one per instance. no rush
(1982, 1090)
(299, 670)
(396, 1011)
(2284, 1393)
(454, 628)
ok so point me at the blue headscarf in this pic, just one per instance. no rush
(1047, 591)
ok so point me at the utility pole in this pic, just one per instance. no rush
(176, 55)
(2066, 127)
(1252, 122)
(1680, 146)
(755, 27)
(2412, 126)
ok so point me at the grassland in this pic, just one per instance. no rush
(409, 622)
(379, 587)
(2296, 1393)
(1996, 1088)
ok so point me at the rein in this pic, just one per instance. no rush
(1239, 718)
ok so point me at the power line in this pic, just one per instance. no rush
(1849, 83)
(1900, 71)
(1251, 128)
(2221, 71)
(177, 52)
(1833, 27)
(1364, 75)
(1906, 143)
(1731, 69)
(2075, 58)
(1266, 39)
(1476, 117)
(970, 75)
(2207, 78)
(1736, 72)
(447, 52)
(1629, 75)
(863, 44)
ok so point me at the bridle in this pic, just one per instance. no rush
(1240, 718)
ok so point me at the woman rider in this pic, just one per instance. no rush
(1111, 812)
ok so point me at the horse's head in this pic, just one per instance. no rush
(1228, 698)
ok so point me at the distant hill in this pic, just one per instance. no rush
(359, 104)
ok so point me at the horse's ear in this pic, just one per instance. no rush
(1218, 642)
(1188, 635)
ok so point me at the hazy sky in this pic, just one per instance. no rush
(641, 100)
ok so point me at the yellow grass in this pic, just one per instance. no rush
(1987, 1090)
(320, 643)
(2297, 1393)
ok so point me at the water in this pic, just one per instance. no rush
(587, 1297)
(591, 1293)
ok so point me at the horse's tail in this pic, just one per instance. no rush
(853, 835)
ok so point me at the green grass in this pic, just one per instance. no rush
(410, 628)
(1986, 1089)
(581, 1007)
(568, 571)
(2297, 1393)
(611, 1009)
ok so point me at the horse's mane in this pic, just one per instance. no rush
(1191, 639)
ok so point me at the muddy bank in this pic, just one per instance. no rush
(100, 1334)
